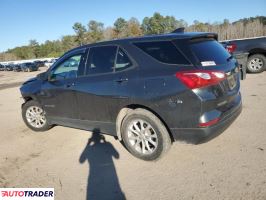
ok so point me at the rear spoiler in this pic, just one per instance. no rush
(204, 36)
(179, 30)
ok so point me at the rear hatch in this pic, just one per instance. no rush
(211, 55)
(220, 99)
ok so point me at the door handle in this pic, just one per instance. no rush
(120, 80)
(68, 85)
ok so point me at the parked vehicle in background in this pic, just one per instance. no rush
(9, 67)
(39, 63)
(17, 68)
(146, 91)
(29, 67)
(241, 59)
(2, 67)
(250, 52)
(50, 63)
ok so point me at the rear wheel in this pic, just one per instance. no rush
(144, 135)
(34, 116)
(256, 63)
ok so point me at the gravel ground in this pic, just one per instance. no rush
(79, 166)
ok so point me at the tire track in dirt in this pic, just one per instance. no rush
(14, 164)
(9, 85)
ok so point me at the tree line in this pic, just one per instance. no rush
(95, 31)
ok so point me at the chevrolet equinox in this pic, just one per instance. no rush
(146, 91)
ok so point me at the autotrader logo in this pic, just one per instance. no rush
(27, 193)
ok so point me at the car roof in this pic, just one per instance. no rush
(168, 36)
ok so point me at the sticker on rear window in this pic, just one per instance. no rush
(208, 63)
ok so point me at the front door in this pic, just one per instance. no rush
(58, 93)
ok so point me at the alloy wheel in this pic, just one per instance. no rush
(36, 116)
(142, 136)
(256, 64)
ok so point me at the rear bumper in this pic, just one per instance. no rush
(201, 135)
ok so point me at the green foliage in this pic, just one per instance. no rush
(80, 31)
(156, 24)
(95, 31)
(120, 25)
(262, 19)
(68, 42)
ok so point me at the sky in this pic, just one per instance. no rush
(23, 20)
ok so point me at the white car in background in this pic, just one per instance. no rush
(50, 63)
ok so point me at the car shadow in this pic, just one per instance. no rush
(102, 182)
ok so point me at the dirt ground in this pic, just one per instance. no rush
(80, 165)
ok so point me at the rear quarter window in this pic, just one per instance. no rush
(163, 51)
(209, 51)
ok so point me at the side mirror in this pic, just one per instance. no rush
(51, 77)
(43, 76)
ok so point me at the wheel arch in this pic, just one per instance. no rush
(127, 109)
(28, 98)
(257, 51)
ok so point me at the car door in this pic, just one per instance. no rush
(58, 93)
(96, 92)
(126, 79)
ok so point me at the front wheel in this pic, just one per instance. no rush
(34, 116)
(144, 135)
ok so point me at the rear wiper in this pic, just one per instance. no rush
(229, 58)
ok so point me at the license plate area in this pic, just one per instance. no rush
(231, 81)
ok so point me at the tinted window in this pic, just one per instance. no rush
(122, 60)
(210, 50)
(101, 59)
(163, 51)
(67, 69)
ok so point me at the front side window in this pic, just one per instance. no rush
(67, 69)
(163, 51)
(101, 59)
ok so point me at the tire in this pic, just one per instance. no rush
(256, 63)
(150, 144)
(29, 109)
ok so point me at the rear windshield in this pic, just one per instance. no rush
(209, 52)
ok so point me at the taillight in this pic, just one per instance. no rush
(231, 48)
(200, 78)
(209, 123)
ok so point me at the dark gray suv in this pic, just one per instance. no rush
(146, 91)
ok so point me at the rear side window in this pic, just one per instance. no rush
(122, 61)
(101, 59)
(163, 51)
(209, 51)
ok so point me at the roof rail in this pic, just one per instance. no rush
(179, 30)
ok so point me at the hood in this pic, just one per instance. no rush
(30, 80)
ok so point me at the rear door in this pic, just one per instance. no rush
(96, 94)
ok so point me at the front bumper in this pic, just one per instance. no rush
(201, 135)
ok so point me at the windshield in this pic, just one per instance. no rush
(210, 52)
